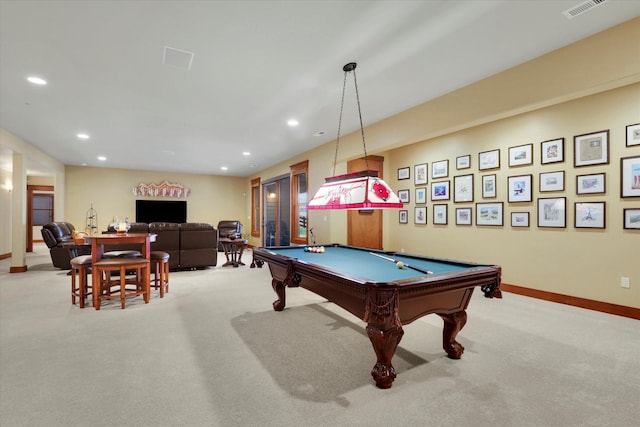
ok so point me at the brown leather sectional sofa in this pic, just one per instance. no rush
(189, 245)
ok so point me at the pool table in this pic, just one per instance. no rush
(380, 293)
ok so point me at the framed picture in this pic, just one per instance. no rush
(633, 135)
(589, 215)
(519, 219)
(463, 216)
(488, 186)
(489, 160)
(463, 162)
(552, 212)
(463, 188)
(440, 169)
(420, 216)
(591, 148)
(440, 214)
(440, 190)
(403, 195)
(631, 218)
(552, 151)
(590, 184)
(420, 174)
(630, 176)
(489, 213)
(521, 155)
(551, 181)
(403, 216)
(403, 173)
(421, 195)
(519, 188)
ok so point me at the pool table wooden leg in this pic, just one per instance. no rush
(385, 342)
(278, 287)
(453, 323)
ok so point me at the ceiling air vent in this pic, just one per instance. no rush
(177, 57)
(582, 8)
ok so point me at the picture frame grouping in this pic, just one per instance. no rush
(538, 192)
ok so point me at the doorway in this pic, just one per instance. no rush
(364, 227)
(277, 212)
(39, 210)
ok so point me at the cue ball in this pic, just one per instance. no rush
(399, 264)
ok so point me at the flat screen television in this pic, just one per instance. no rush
(161, 211)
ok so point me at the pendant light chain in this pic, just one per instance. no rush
(335, 157)
(350, 67)
(364, 146)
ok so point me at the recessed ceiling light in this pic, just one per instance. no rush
(102, 158)
(224, 168)
(246, 153)
(292, 122)
(37, 80)
(320, 133)
(83, 136)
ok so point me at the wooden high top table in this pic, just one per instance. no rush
(97, 250)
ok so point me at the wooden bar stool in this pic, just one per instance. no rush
(80, 265)
(125, 287)
(160, 261)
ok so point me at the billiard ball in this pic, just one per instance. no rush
(399, 264)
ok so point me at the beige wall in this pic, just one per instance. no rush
(580, 262)
(5, 212)
(213, 198)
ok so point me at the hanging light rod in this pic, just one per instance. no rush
(358, 190)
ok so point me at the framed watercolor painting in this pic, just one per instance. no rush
(440, 214)
(630, 176)
(420, 174)
(519, 188)
(488, 186)
(463, 162)
(552, 151)
(489, 213)
(440, 190)
(590, 184)
(440, 169)
(552, 212)
(489, 160)
(633, 135)
(463, 188)
(463, 216)
(420, 215)
(403, 173)
(591, 148)
(519, 219)
(631, 218)
(551, 181)
(521, 155)
(403, 216)
(589, 215)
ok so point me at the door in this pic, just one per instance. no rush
(364, 227)
(39, 210)
(277, 212)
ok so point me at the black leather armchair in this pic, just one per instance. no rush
(229, 229)
(58, 237)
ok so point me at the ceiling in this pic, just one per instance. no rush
(256, 64)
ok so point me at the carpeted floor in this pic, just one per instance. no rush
(214, 353)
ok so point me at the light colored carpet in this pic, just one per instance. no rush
(214, 353)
